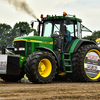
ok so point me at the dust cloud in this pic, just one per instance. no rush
(22, 5)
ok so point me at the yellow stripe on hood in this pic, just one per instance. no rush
(33, 41)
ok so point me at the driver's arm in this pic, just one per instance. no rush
(66, 34)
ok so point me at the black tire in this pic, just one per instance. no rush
(13, 78)
(79, 64)
(33, 68)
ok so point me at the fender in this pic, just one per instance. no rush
(47, 49)
(77, 43)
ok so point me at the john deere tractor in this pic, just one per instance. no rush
(49, 53)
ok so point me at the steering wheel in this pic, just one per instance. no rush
(57, 32)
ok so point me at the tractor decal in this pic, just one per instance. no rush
(3, 64)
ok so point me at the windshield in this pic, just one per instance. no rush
(55, 27)
(72, 28)
(51, 27)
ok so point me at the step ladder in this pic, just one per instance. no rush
(67, 64)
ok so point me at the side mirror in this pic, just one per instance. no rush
(68, 20)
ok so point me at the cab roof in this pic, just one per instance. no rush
(60, 17)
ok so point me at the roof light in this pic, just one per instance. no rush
(48, 15)
(41, 15)
(64, 13)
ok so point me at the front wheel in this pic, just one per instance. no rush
(41, 67)
(86, 64)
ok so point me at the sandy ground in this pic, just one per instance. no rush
(53, 91)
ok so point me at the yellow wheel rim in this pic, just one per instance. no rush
(98, 74)
(45, 67)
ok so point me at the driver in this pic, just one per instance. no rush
(67, 34)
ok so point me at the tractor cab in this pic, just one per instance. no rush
(54, 26)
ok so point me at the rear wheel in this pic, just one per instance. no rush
(41, 67)
(86, 64)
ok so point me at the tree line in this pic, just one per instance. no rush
(95, 35)
(7, 33)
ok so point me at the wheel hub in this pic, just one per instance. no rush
(45, 67)
(42, 67)
(91, 64)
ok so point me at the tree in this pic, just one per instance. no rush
(5, 34)
(94, 36)
(21, 29)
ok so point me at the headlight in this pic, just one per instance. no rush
(15, 49)
(21, 49)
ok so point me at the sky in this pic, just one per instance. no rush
(87, 10)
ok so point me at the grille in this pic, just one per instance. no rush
(28, 48)
(19, 47)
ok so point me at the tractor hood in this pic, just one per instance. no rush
(35, 39)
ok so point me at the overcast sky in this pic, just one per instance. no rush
(87, 10)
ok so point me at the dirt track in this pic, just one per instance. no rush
(51, 91)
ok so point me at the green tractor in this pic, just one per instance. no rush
(49, 53)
